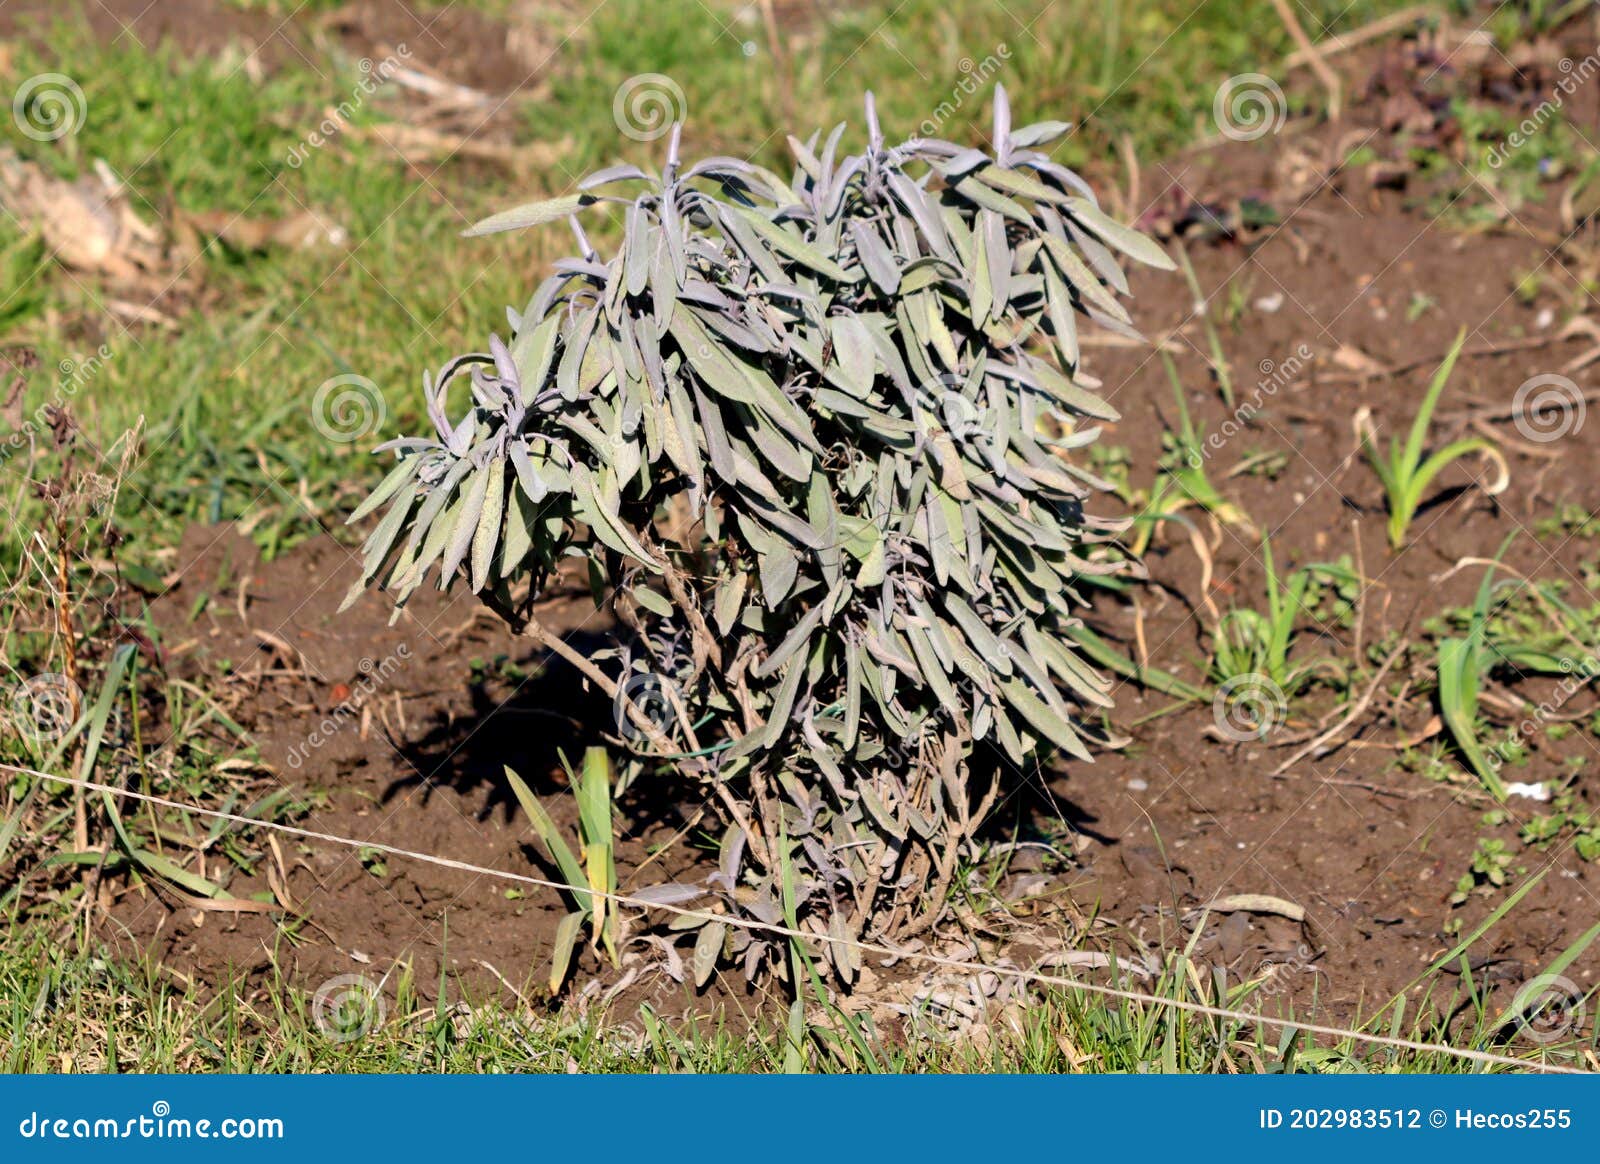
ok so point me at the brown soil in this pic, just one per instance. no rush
(191, 26)
(1175, 820)
(498, 57)
(403, 732)
(464, 44)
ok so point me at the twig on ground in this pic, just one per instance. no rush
(1328, 78)
(1318, 744)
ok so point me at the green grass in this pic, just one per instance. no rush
(227, 393)
(72, 1011)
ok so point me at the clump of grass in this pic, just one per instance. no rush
(1257, 642)
(589, 878)
(1406, 474)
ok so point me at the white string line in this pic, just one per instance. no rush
(784, 931)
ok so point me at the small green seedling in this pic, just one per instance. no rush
(1406, 475)
(590, 878)
(1254, 642)
(1461, 663)
(1219, 360)
(1185, 464)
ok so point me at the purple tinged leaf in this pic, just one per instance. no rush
(636, 254)
(1002, 124)
(875, 256)
(717, 166)
(623, 173)
(527, 476)
(585, 267)
(916, 203)
(674, 141)
(829, 148)
(461, 436)
(504, 366)
(668, 893)
(1038, 133)
(963, 163)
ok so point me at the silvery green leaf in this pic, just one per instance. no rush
(791, 245)
(1019, 185)
(933, 674)
(1061, 320)
(980, 295)
(636, 254)
(622, 173)
(852, 695)
(998, 254)
(383, 538)
(783, 698)
(875, 256)
(805, 157)
(1080, 278)
(532, 352)
(1077, 399)
(1100, 258)
(981, 195)
(678, 432)
(1130, 242)
(486, 539)
(655, 603)
(744, 235)
(794, 463)
(436, 533)
(798, 638)
(668, 893)
(962, 163)
(923, 212)
(530, 214)
(477, 489)
(595, 505)
(729, 601)
(569, 370)
(1039, 133)
(839, 948)
(714, 435)
(520, 517)
(1042, 720)
(387, 488)
(853, 348)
